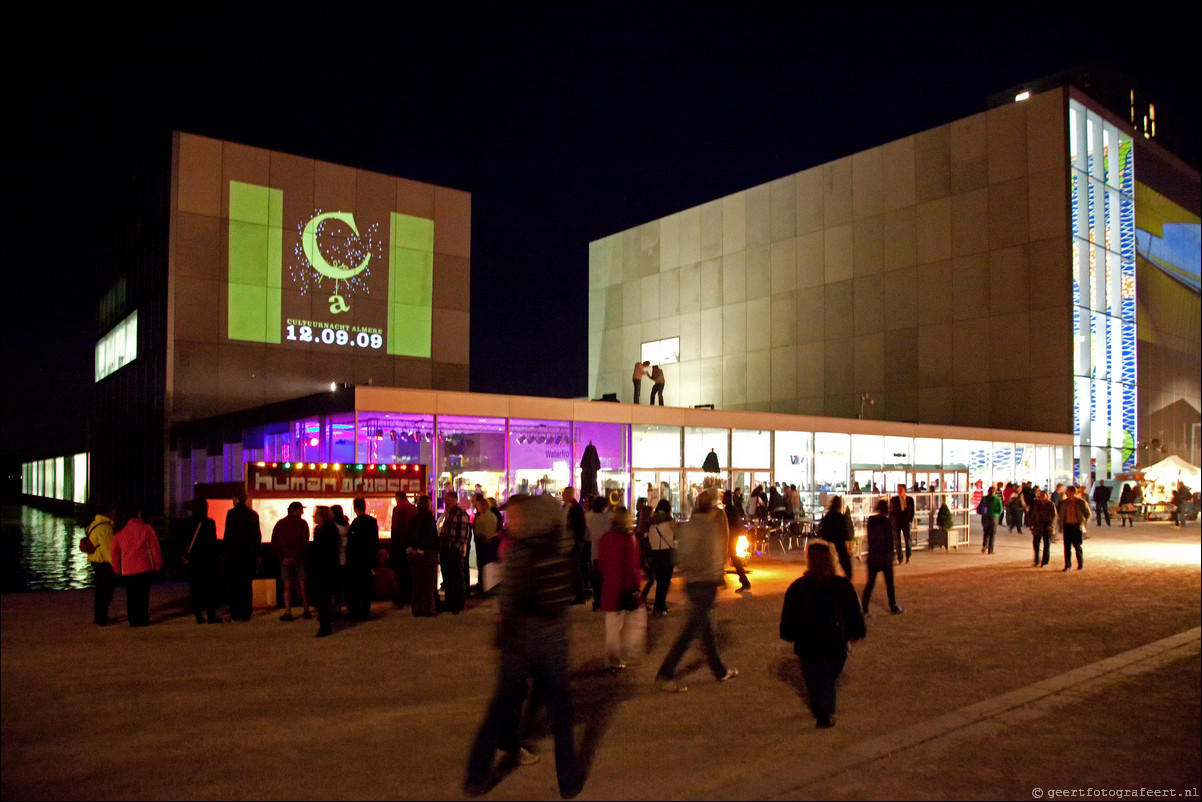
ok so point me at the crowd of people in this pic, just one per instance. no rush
(538, 555)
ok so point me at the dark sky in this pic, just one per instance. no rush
(567, 122)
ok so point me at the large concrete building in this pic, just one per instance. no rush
(1022, 269)
(242, 277)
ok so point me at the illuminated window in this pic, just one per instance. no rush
(117, 348)
(662, 352)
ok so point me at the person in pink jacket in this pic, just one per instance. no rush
(621, 576)
(136, 556)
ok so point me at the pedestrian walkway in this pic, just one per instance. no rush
(1001, 678)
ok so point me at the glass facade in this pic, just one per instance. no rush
(500, 455)
(1102, 177)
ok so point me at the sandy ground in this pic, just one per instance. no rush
(999, 679)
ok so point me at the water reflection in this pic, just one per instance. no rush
(41, 551)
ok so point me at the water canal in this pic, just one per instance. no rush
(40, 551)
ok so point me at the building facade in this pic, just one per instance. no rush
(247, 277)
(983, 274)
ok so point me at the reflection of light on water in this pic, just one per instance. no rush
(50, 558)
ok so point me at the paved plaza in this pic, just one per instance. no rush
(1000, 681)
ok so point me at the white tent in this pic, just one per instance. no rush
(1162, 478)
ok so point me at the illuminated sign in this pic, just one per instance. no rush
(346, 281)
(318, 480)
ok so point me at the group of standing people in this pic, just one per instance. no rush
(641, 371)
(119, 544)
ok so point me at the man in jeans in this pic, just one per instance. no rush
(453, 537)
(640, 370)
(701, 557)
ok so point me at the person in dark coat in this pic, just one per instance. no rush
(1101, 502)
(201, 556)
(1043, 523)
(533, 637)
(881, 544)
(362, 547)
(243, 545)
(834, 529)
(322, 559)
(590, 463)
(820, 616)
(421, 551)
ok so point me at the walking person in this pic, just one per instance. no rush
(662, 538)
(201, 559)
(625, 615)
(657, 385)
(1043, 521)
(821, 615)
(836, 529)
(596, 524)
(243, 542)
(100, 560)
(990, 509)
(701, 555)
(1016, 510)
(136, 557)
(1073, 516)
(881, 537)
(532, 635)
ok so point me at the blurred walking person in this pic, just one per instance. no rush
(625, 615)
(701, 556)
(136, 557)
(836, 529)
(535, 591)
(821, 615)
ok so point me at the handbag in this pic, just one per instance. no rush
(85, 543)
(188, 554)
(630, 600)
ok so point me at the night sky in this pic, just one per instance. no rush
(567, 122)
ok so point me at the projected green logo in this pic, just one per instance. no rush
(360, 306)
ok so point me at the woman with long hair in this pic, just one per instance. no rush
(820, 617)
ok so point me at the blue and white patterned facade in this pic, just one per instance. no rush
(1102, 177)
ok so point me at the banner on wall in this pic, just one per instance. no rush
(313, 480)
